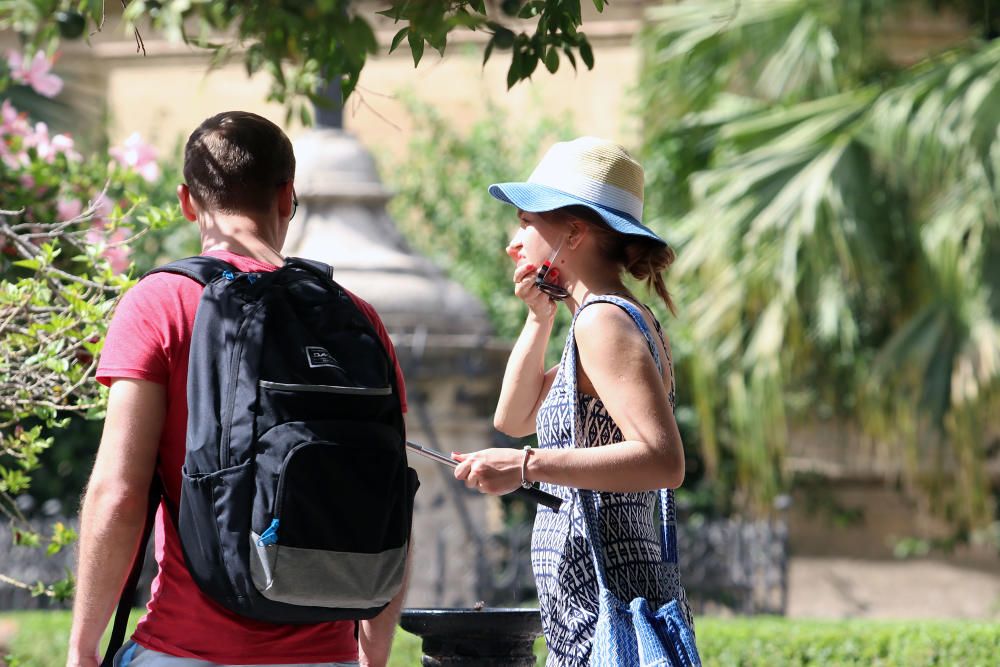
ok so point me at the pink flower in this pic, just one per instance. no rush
(48, 147)
(103, 208)
(12, 122)
(17, 160)
(139, 156)
(27, 180)
(63, 143)
(67, 209)
(117, 255)
(35, 73)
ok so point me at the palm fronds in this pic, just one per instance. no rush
(830, 218)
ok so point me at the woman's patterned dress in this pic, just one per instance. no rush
(560, 556)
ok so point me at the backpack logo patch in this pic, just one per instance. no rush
(318, 357)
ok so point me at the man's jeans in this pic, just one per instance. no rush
(133, 655)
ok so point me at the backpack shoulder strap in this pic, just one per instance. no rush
(132, 582)
(319, 268)
(200, 269)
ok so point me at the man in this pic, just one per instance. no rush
(239, 170)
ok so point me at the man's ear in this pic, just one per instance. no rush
(286, 192)
(188, 207)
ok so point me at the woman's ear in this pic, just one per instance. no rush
(577, 232)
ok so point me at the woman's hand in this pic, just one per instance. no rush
(539, 304)
(496, 471)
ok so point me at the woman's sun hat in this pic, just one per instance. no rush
(588, 171)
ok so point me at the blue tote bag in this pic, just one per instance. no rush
(633, 634)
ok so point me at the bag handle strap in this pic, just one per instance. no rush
(132, 582)
(201, 269)
(590, 504)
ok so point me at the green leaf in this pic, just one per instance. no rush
(398, 38)
(438, 41)
(552, 59)
(599, 4)
(514, 72)
(572, 8)
(510, 7)
(394, 12)
(348, 83)
(530, 63)
(25, 538)
(569, 56)
(416, 47)
(488, 50)
(32, 264)
(530, 10)
(64, 588)
(96, 10)
(586, 53)
(503, 37)
(364, 35)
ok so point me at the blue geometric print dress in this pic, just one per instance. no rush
(560, 555)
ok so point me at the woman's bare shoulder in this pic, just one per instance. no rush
(605, 325)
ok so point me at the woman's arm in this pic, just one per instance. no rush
(614, 356)
(525, 381)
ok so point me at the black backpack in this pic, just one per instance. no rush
(296, 498)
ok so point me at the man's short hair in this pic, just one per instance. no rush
(235, 161)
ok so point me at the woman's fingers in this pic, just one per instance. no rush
(525, 290)
(521, 272)
(487, 471)
(467, 470)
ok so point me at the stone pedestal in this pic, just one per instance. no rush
(452, 363)
(480, 637)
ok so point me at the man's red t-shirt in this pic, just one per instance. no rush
(149, 339)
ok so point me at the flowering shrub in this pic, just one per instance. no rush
(67, 222)
(34, 72)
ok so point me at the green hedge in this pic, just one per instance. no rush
(775, 642)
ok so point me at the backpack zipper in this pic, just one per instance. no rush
(234, 371)
(270, 536)
(279, 495)
(327, 388)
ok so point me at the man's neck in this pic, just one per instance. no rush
(242, 235)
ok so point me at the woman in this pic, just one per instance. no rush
(579, 216)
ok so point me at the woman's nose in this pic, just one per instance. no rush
(514, 247)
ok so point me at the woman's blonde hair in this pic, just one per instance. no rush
(643, 258)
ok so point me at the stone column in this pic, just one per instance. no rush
(453, 364)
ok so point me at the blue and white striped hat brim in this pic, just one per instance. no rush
(535, 198)
(587, 171)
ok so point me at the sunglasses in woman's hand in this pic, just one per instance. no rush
(545, 279)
